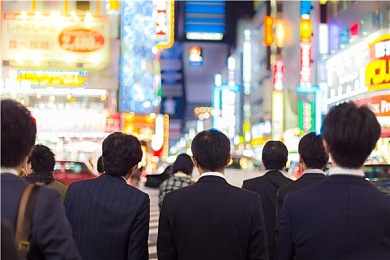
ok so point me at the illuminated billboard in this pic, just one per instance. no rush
(165, 17)
(205, 20)
(378, 70)
(55, 38)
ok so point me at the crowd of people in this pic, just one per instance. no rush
(339, 216)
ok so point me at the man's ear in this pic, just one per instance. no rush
(300, 159)
(325, 144)
(194, 161)
(228, 161)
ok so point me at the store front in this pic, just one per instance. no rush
(361, 73)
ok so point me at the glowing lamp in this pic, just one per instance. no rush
(280, 36)
(305, 30)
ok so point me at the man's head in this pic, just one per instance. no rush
(350, 134)
(211, 150)
(183, 163)
(274, 155)
(18, 133)
(312, 151)
(121, 154)
(100, 165)
(41, 159)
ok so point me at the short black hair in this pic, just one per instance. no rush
(121, 152)
(312, 151)
(351, 133)
(18, 133)
(211, 149)
(42, 159)
(274, 155)
(100, 165)
(183, 163)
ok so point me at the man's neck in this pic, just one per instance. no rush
(201, 171)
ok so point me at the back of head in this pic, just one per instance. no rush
(312, 151)
(183, 164)
(350, 133)
(211, 150)
(18, 133)
(274, 155)
(121, 152)
(42, 159)
(100, 165)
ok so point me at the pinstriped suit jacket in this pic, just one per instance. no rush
(343, 217)
(110, 219)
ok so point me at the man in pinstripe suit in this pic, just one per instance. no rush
(344, 216)
(110, 219)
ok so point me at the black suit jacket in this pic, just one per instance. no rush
(51, 234)
(110, 218)
(343, 217)
(267, 186)
(211, 219)
(306, 180)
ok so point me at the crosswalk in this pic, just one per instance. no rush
(153, 225)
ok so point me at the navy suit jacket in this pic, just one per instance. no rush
(343, 217)
(51, 233)
(211, 219)
(304, 181)
(110, 218)
(267, 186)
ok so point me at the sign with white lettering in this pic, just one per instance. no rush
(164, 23)
(278, 75)
(379, 104)
(55, 37)
(305, 71)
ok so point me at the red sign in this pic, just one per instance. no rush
(113, 123)
(278, 75)
(268, 35)
(80, 40)
(380, 104)
(305, 71)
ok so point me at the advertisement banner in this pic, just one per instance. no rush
(56, 38)
(379, 104)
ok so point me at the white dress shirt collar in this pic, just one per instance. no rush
(218, 174)
(344, 171)
(8, 170)
(314, 171)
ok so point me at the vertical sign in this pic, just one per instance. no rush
(268, 35)
(164, 23)
(277, 82)
(277, 114)
(306, 115)
(305, 68)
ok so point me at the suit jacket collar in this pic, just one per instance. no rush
(311, 175)
(211, 179)
(273, 172)
(349, 179)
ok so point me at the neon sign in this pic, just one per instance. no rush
(305, 71)
(55, 78)
(378, 70)
(278, 75)
(164, 23)
(306, 115)
(268, 35)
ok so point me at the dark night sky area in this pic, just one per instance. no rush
(234, 11)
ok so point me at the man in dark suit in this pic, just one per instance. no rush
(312, 159)
(50, 235)
(344, 216)
(274, 157)
(211, 219)
(110, 218)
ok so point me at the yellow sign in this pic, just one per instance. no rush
(54, 78)
(258, 141)
(378, 70)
